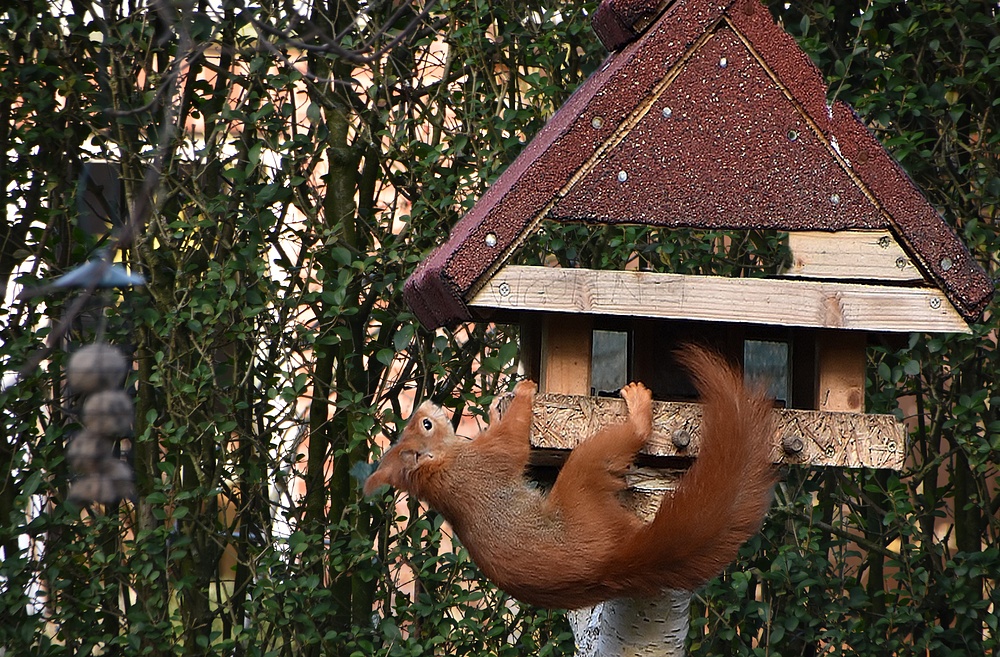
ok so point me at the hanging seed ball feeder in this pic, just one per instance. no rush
(95, 373)
(109, 413)
(96, 367)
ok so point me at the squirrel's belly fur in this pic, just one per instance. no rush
(531, 552)
(576, 545)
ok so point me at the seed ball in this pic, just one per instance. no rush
(124, 489)
(87, 450)
(109, 413)
(93, 488)
(117, 477)
(111, 483)
(85, 489)
(96, 367)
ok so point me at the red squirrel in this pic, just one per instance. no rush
(576, 545)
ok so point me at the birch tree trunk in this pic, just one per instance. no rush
(634, 628)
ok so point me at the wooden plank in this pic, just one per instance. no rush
(813, 438)
(741, 300)
(840, 371)
(853, 254)
(567, 342)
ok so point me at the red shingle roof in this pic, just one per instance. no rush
(710, 117)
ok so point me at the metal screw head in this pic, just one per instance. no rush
(792, 444)
(884, 241)
(793, 134)
(622, 176)
(935, 303)
(946, 264)
(667, 112)
(900, 262)
(491, 240)
(681, 438)
(504, 289)
(835, 199)
(597, 122)
(723, 62)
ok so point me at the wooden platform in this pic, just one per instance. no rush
(813, 438)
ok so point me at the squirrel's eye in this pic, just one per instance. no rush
(428, 425)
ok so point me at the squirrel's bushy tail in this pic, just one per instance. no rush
(722, 499)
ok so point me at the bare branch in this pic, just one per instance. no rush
(367, 53)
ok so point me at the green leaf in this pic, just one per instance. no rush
(404, 334)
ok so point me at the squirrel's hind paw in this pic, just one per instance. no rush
(639, 400)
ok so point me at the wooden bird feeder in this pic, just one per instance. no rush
(707, 115)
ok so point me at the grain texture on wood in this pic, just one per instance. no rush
(566, 351)
(854, 255)
(840, 371)
(782, 302)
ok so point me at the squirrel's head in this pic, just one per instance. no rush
(417, 453)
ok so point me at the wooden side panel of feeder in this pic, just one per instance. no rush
(815, 438)
(566, 351)
(858, 255)
(840, 370)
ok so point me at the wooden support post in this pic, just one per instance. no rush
(626, 627)
(840, 370)
(567, 342)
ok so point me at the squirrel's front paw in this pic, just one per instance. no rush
(525, 388)
(635, 393)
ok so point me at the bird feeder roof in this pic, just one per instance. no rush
(707, 115)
